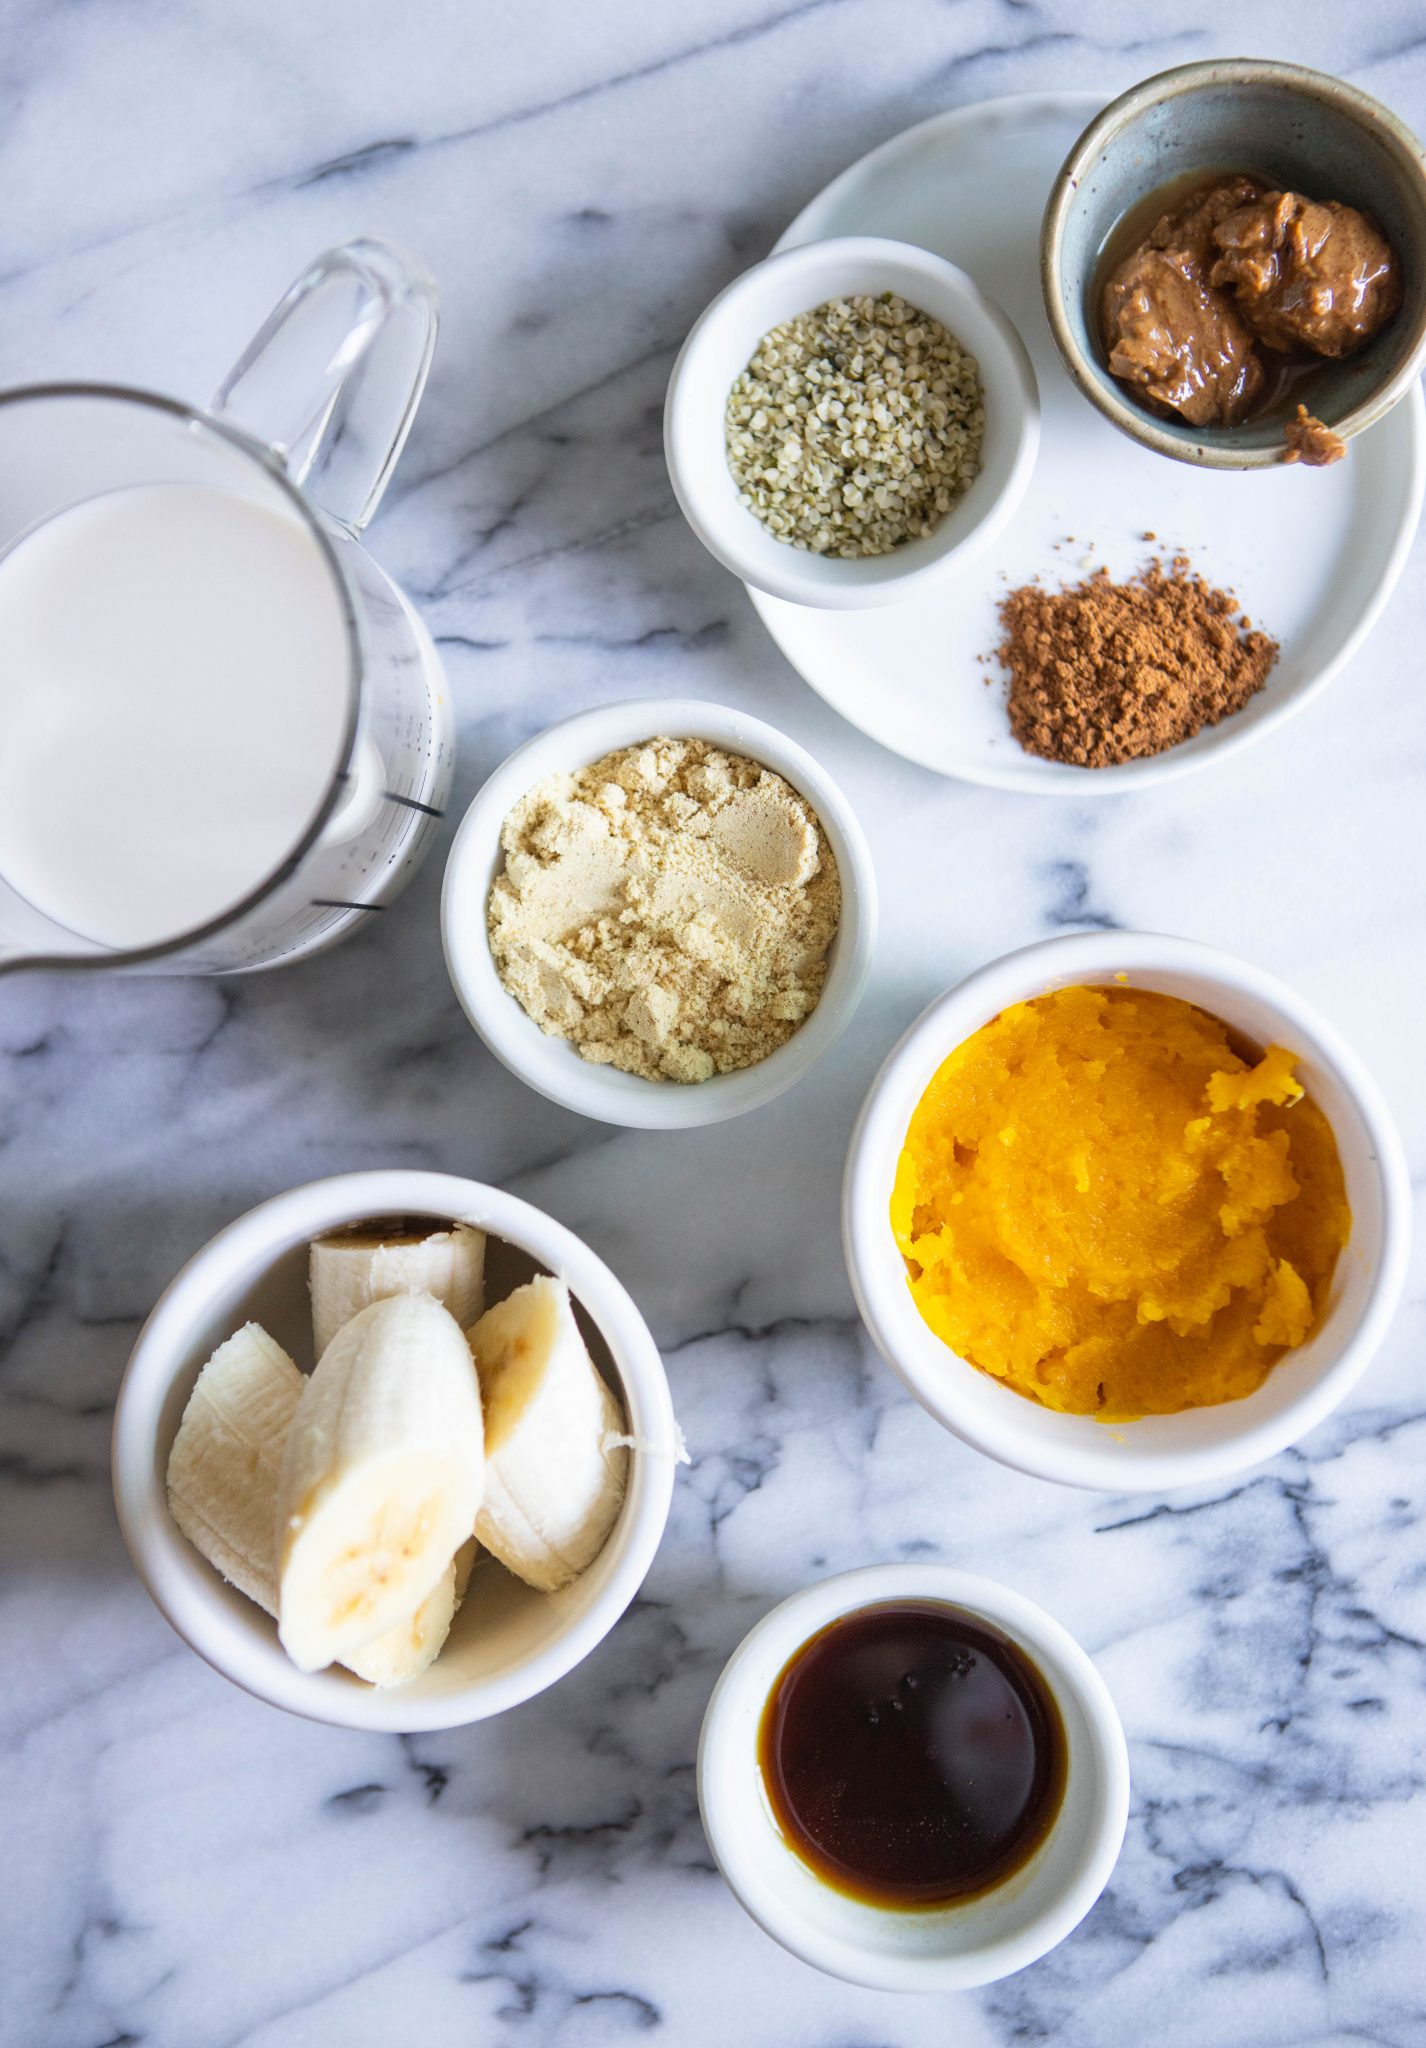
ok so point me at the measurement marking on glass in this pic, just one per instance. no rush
(336, 903)
(414, 804)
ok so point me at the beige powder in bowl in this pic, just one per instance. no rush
(667, 909)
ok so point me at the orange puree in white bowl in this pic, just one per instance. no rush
(1109, 1206)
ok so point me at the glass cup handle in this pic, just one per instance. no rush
(331, 380)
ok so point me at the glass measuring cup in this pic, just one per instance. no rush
(308, 425)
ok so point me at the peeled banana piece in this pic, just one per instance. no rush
(463, 1564)
(406, 1650)
(409, 1646)
(350, 1270)
(553, 1484)
(222, 1492)
(223, 1468)
(381, 1479)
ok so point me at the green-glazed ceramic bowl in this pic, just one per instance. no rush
(1300, 129)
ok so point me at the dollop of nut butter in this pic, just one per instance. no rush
(1311, 442)
(1235, 292)
(1307, 273)
(1171, 337)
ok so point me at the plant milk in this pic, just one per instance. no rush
(174, 686)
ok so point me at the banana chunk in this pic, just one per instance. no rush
(553, 1487)
(381, 1479)
(414, 1644)
(407, 1649)
(222, 1470)
(223, 1474)
(353, 1268)
(463, 1564)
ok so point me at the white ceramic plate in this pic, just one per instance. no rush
(1313, 554)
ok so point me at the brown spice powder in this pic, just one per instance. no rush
(1105, 672)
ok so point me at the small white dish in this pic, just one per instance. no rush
(720, 345)
(508, 1641)
(1157, 1451)
(944, 1949)
(1313, 554)
(551, 1065)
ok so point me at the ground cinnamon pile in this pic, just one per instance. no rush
(1105, 672)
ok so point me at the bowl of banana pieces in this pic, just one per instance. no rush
(394, 1451)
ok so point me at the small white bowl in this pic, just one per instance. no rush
(720, 345)
(1160, 1450)
(952, 1948)
(551, 1065)
(508, 1641)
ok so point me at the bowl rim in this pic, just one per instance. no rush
(1114, 1466)
(1174, 83)
(604, 1092)
(879, 579)
(723, 1750)
(162, 1557)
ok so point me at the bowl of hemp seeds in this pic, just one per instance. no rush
(660, 913)
(848, 419)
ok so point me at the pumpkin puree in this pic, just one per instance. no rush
(1102, 1204)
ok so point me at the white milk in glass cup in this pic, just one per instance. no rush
(225, 736)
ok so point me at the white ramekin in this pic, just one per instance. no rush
(718, 349)
(508, 1641)
(1160, 1450)
(550, 1064)
(956, 1947)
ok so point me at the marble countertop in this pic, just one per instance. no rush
(185, 1868)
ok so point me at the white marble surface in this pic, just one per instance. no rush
(185, 1868)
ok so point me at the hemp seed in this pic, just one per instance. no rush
(856, 427)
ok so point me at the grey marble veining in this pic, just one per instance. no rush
(185, 1868)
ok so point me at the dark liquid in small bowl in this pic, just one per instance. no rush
(913, 1756)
